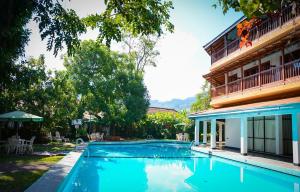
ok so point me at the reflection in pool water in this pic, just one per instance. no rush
(198, 172)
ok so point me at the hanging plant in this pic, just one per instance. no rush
(243, 31)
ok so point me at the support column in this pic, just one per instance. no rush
(295, 136)
(226, 83)
(197, 132)
(278, 135)
(220, 131)
(204, 132)
(244, 136)
(213, 134)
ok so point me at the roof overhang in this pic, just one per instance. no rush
(207, 46)
(251, 110)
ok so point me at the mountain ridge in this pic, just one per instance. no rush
(177, 104)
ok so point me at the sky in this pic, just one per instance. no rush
(182, 60)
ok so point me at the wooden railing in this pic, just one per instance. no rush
(218, 55)
(292, 69)
(263, 28)
(271, 75)
(251, 81)
(234, 86)
(218, 91)
(286, 72)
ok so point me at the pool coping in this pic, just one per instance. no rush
(245, 160)
(51, 180)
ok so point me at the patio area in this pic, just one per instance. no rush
(280, 164)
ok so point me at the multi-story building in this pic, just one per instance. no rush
(256, 89)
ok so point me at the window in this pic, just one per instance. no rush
(251, 71)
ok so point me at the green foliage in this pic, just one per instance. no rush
(105, 81)
(202, 99)
(108, 82)
(253, 8)
(163, 125)
(61, 27)
(142, 49)
(138, 17)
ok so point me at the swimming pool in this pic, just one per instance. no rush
(167, 166)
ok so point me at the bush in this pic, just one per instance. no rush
(164, 125)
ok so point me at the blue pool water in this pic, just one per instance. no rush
(168, 166)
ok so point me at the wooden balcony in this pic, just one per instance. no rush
(254, 84)
(257, 32)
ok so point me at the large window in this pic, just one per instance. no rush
(261, 134)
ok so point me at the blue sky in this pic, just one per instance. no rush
(182, 60)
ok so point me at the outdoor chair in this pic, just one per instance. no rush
(49, 136)
(179, 137)
(186, 137)
(99, 137)
(60, 138)
(57, 137)
(11, 145)
(29, 144)
(20, 146)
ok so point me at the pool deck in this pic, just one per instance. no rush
(253, 159)
(51, 180)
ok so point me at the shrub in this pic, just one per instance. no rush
(164, 125)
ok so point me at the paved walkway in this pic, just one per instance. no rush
(50, 181)
(253, 159)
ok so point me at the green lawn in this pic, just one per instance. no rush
(53, 147)
(18, 172)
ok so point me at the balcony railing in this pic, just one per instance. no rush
(263, 28)
(287, 72)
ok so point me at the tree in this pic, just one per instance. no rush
(138, 17)
(202, 99)
(142, 49)
(60, 26)
(107, 81)
(164, 125)
(255, 8)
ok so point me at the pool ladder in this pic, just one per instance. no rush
(192, 144)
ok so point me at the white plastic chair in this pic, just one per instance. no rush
(20, 146)
(186, 137)
(179, 136)
(29, 144)
(49, 136)
(57, 137)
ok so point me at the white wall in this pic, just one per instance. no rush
(274, 58)
(292, 48)
(235, 71)
(232, 133)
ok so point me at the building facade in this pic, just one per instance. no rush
(256, 89)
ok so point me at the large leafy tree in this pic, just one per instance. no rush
(108, 82)
(255, 8)
(61, 27)
(142, 49)
(202, 99)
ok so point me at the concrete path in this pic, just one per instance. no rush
(253, 159)
(50, 181)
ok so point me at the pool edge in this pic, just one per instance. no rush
(51, 180)
(288, 171)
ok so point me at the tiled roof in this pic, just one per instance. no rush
(160, 109)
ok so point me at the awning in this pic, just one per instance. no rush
(275, 107)
(20, 116)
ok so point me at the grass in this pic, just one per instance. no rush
(18, 172)
(53, 147)
(19, 181)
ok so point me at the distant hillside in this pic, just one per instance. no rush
(177, 104)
